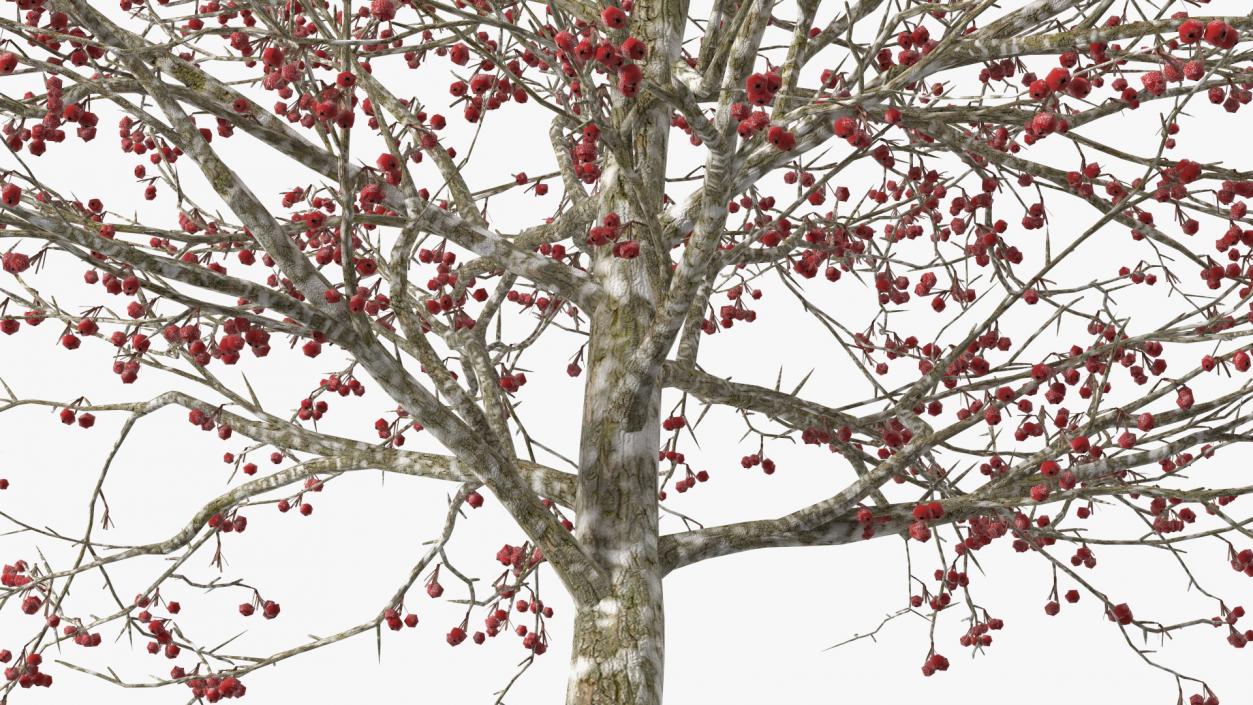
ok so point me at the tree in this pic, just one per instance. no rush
(891, 155)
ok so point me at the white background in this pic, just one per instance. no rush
(745, 629)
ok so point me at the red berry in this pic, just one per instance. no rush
(383, 10)
(11, 195)
(1221, 34)
(1191, 31)
(614, 18)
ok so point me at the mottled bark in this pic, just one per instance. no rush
(619, 646)
(618, 641)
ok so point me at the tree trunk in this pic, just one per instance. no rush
(618, 655)
(618, 643)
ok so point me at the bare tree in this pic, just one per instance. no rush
(892, 152)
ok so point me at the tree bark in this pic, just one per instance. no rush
(618, 642)
(618, 652)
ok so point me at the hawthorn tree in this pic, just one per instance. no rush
(886, 168)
